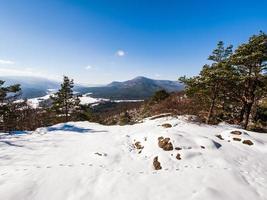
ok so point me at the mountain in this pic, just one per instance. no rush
(137, 88)
(31, 86)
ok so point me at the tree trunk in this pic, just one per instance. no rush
(212, 105)
(66, 114)
(247, 114)
(242, 112)
(211, 111)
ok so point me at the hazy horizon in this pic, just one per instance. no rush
(76, 82)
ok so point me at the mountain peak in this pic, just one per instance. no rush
(140, 78)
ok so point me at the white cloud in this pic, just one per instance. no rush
(6, 62)
(26, 71)
(88, 67)
(157, 75)
(120, 53)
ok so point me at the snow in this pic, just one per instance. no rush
(34, 102)
(85, 99)
(83, 160)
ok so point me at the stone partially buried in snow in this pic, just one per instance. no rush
(236, 132)
(219, 136)
(166, 125)
(236, 139)
(156, 163)
(165, 144)
(248, 142)
(178, 156)
(138, 145)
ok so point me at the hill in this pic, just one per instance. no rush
(137, 88)
(32, 87)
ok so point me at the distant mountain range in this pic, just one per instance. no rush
(31, 86)
(137, 88)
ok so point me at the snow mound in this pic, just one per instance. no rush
(83, 160)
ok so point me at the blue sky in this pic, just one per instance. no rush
(98, 41)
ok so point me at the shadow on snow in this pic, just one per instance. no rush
(72, 128)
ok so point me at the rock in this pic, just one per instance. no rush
(167, 125)
(202, 147)
(220, 137)
(178, 156)
(168, 147)
(165, 144)
(138, 145)
(248, 142)
(236, 132)
(236, 139)
(156, 163)
(178, 148)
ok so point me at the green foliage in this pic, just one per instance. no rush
(250, 61)
(233, 83)
(8, 108)
(212, 84)
(159, 96)
(64, 102)
(85, 113)
(124, 118)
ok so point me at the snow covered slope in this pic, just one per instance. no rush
(85, 160)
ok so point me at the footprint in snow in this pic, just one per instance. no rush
(48, 167)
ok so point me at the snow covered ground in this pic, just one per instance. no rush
(82, 160)
(85, 99)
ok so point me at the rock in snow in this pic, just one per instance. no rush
(60, 162)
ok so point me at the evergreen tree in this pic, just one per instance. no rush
(64, 101)
(210, 86)
(8, 108)
(159, 96)
(250, 60)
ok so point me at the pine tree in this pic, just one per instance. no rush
(250, 60)
(209, 87)
(8, 108)
(64, 101)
